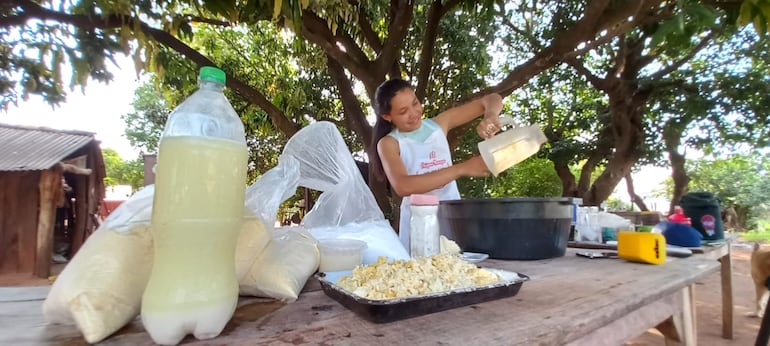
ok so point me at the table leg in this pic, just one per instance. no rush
(680, 329)
(727, 293)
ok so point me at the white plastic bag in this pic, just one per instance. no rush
(100, 289)
(346, 207)
(284, 267)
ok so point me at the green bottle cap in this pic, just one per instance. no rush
(212, 73)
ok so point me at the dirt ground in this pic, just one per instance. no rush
(707, 294)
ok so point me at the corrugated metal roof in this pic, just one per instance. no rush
(24, 148)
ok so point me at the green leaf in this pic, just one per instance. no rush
(679, 17)
(663, 30)
(185, 30)
(746, 14)
(225, 8)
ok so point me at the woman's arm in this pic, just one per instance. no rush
(489, 105)
(405, 184)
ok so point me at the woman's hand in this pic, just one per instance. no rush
(488, 127)
(474, 167)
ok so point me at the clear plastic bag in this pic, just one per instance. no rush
(288, 256)
(263, 198)
(346, 207)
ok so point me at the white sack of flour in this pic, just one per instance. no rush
(100, 290)
(284, 267)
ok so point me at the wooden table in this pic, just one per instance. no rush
(722, 252)
(569, 300)
(717, 251)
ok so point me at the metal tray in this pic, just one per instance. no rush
(389, 310)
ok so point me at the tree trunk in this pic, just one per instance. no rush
(672, 134)
(635, 199)
(681, 179)
(568, 185)
(626, 107)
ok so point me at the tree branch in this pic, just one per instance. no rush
(436, 11)
(531, 39)
(677, 64)
(33, 10)
(316, 30)
(209, 21)
(604, 146)
(428, 48)
(355, 118)
(640, 18)
(370, 36)
(597, 17)
(635, 199)
(621, 57)
(401, 12)
(596, 81)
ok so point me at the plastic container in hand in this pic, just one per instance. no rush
(197, 213)
(510, 147)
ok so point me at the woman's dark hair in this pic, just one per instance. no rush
(382, 96)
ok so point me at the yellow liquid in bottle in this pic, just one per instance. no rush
(197, 214)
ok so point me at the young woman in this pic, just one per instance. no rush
(414, 153)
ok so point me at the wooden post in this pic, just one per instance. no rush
(727, 292)
(81, 212)
(92, 207)
(50, 181)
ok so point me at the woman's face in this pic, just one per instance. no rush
(405, 111)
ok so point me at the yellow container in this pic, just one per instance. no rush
(642, 247)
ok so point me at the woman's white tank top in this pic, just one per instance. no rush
(422, 151)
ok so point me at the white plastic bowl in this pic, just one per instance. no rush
(340, 254)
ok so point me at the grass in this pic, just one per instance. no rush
(756, 236)
(760, 234)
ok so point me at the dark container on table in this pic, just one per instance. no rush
(705, 214)
(527, 228)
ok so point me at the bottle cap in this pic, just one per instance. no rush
(212, 73)
(424, 199)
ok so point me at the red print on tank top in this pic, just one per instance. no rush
(432, 161)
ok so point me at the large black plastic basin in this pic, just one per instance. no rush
(526, 228)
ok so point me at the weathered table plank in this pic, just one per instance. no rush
(568, 299)
(721, 252)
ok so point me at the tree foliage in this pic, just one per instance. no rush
(739, 181)
(145, 124)
(120, 172)
(291, 62)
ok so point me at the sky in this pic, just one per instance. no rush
(98, 110)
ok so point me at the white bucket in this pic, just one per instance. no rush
(511, 147)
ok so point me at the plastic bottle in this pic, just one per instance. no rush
(424, 230)
(197, 213)
(679, 216)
